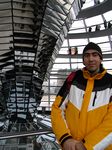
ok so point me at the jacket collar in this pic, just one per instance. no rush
(98, 76)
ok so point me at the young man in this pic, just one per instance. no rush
(81, 115)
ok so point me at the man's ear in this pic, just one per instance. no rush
(101, 60)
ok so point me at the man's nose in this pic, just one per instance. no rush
(91, 57)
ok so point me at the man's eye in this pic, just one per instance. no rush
(86, 55)
(95, 54)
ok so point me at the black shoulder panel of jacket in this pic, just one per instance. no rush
(102, 84)
(66, 86)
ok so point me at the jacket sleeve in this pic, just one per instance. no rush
(59, 125)
(101, 137)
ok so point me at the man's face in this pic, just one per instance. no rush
(92, 60)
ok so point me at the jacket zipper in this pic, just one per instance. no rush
(94, 99)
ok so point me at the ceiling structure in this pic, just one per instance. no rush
(35, 36)
(31, 33)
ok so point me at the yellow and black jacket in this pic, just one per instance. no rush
(85, 113)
